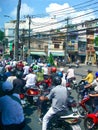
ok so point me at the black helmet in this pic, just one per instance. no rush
(13, 71)
(89, 71)
(57, 80)
(19, 74)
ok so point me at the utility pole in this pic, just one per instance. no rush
(16, 42)
(29, 31)
(66, 42)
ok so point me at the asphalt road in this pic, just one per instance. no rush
(31, 114)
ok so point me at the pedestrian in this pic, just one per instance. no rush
(12, 115)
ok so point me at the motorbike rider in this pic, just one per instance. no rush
(94, 85)
(26, 69)
(12, 114)
(58, 95)
(13, 75)
(63, 83)
(90, 77)
(45, 70)
(30, 79)
(70, 73)
(18, 83)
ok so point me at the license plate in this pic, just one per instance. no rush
(35, 98)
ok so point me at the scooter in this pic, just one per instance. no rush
(30, 96)
(64, 121)
(86, 109)
(71, 83)
(91, 121)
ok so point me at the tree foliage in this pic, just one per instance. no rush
(51, 59)
(1, 35)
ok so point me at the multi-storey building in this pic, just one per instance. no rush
(76, 40)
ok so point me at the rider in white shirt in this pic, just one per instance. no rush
(31, 79)
(70, 73)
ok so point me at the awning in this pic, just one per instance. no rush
(96, 52)
(57, 53)
(39, 53)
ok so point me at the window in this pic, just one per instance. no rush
(39, 46)
(56, 45)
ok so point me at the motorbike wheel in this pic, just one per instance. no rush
(89, 124)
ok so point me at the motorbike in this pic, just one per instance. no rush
(65, 121)
(86, 109)
(81, 91)
(91, 121)
(72, 83)
(30, 96)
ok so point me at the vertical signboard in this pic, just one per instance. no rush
(81, 47)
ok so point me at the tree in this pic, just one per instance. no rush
(51, 59)
(1, 35)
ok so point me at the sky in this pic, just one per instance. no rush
(48, 8)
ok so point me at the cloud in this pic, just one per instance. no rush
(25, 10)
(64, 11)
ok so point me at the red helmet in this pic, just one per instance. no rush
(53, 69)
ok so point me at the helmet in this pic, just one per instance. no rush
(89, 71)
(7, 86)
(48, 64)
(53, 69)
(19, 74)
(13, 71)
(35, 67)
(59, 73)
(96, 74)
(57, 80)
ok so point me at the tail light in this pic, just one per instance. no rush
(21, 96)
(32, 92)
